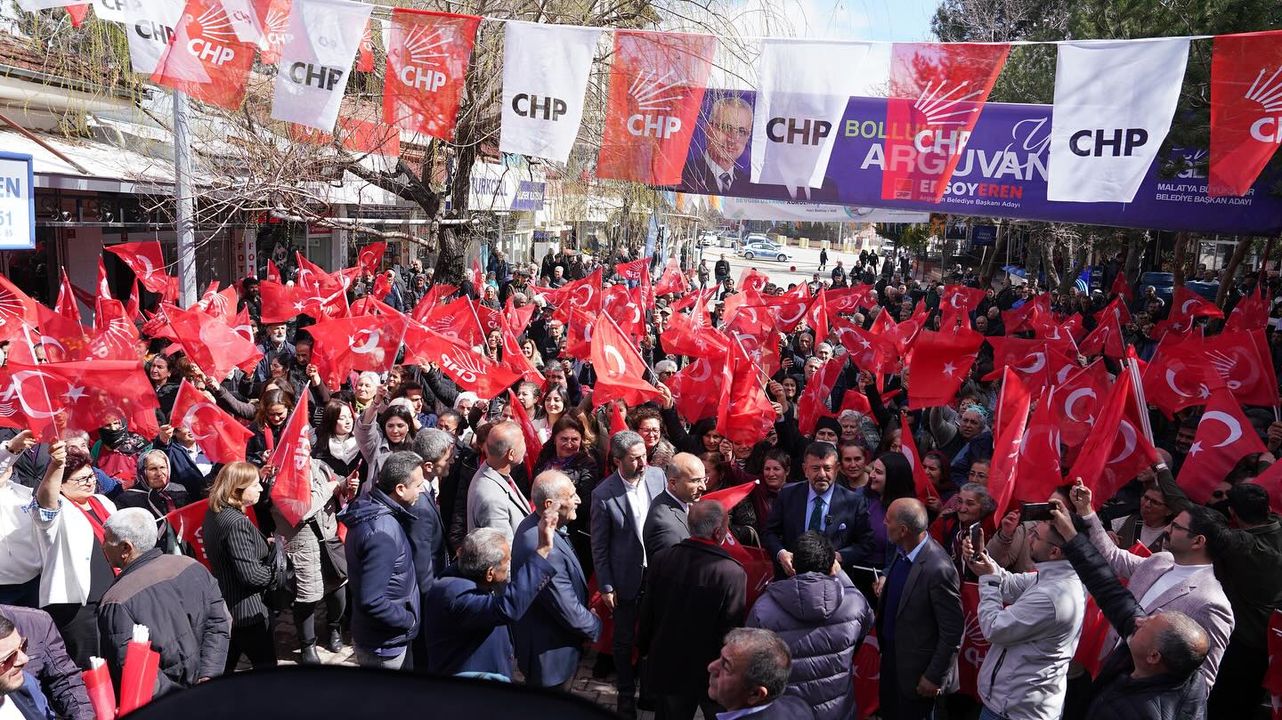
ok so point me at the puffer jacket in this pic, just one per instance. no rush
(380, 561)
(823, 619)
(1163, 697)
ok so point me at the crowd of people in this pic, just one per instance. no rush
(446, 535)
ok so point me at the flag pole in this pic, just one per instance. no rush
(1137, 389)
(44, 388)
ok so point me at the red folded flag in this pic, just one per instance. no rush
(532, 443)
(1250, 313)
(1116, 449)
(745, 414)
(696, 389)
(218, 434)
(755, 335)
(292, 458)
(212, 344)
(788, 311)
(146, 261)
(867, 351)
(867, 676)
(281, 303)
(625, 306)
(1106, 338)
(938, 365)
(1033, 314)
(752, 279)
(465, 367)
(515, 360)
(756, 563)
(432, 298)
(691, 335)
(517, 318)
(1224, 436)
(617, 422)
(813, 403)
(138, 677)
(1271, 481)
(66, 305)
(817, 316)
(1186, 307)
(584, 295)
(1121, 288)
(16, 309)
(370, 257)
(731, 496)
(90, 393)
(102, 693)
(1039, 472)
(1014, 403)
(1244, 363)
(619, 367)
(636, 274)
(457, 320)
(324, 295)
(672, 282)
(974, 646)
(925, 489)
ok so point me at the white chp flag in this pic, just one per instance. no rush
(545, 77)
(110, 10)
(1114, 101)
(316, 61)
(35, 5)
(149, 25)
(803, 89)
(244, 20)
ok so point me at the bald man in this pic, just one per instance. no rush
(666, 523)
(493, 498)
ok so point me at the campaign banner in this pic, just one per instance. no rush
(149, 27)
(1246, 108)
(1003, 174)
(17, 203)
(427, 59)
(316, 61)
(545, 77)
(206, 61)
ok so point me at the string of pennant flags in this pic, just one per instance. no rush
(1114, 100)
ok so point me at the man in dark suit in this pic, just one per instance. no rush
(667, 525)
(750, 675)
(549, 639)
(715, 171)
(467, 611)
(49, 663)
(695, 594)
(620, 505)
(919, 616)
(822, 505)
(427, 531)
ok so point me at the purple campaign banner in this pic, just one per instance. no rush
(1002, 173)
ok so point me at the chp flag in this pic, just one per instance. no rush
(427, 60)
(657, 81)
(937, 91)
(1246, 109)
(149, 26)
(316, 61)
(804, 88)
(206, 60)
(1106, 128)
(545, 76)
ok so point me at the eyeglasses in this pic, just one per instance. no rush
(1181, 528)
(729, 129)
(82, 479)
(1152, 501)
(12, 658)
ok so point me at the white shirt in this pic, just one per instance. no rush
(1176, 575)
(1149, 535)
(718, 171)
(20, 558)
(684, 506)
(199, 459)
(638, 497)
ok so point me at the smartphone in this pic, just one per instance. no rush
(976, 541)
(1035, 511)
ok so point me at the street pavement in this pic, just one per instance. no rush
(802, 265)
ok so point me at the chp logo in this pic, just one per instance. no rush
(529, 105)
(419, 58)
(276, 34)
(938, 107)
(211, 36)
(466, 366)
(1268, 95)
(656, 98)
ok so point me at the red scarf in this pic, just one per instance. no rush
(96, 515)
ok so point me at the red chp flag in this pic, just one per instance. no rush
(1014, 403)
(273, 18)
(292, 458)
(367, 342)
(937, 91)
(938, 364)
(1246, 109)
(147, 262)
(427, 59)
(618, 366)
(66, 303)
(468, 369)
(217, 434)
(672, 282)
(205, 60)
(531, 435)
(656, 89)
(1224, 436)
(16, 310)
(908, 446)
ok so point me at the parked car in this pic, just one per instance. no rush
(765, 250)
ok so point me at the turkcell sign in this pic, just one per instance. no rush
(1002, 171)
(17, 202)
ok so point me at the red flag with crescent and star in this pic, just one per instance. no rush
(1224, 436)
(217, 434)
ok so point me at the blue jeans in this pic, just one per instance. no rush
(987, 714)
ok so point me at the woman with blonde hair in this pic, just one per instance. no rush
(242, 563)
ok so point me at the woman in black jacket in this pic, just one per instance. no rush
(242, 563)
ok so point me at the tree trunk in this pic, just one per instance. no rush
(1048, 261)
(1135, 245)
(1181, 249)
(1226, 277)
(999, 245)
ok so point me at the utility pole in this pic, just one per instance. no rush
(186, 225)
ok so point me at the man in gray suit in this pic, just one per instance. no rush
(620, 505)
(919, 616)
(666, 524)
(1179, 578)
(493, 499)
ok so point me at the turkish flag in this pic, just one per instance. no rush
(672, 282)
(532, 442)
(925, 489)
(1121, 288)
(517, 318)
(626, 306)
(938, 365)
(1115, 307)
(696, 300)
(867, 677)
(370, 257)
(1014, 403)
(656, 90)
(1105, 339)
(211, 344)
(281, 303)
(961, 298)
(752, 279)
(1244, 98)
(146, 261)
(745, 414)
(1250, 313)
(516, 361)
(1178, 376)
(218, 434)
(467, 368)
(367, 342)
(1224, 436)
(813, 403)
(205, 59)
(583, 294)
(788, 311)
(817, 316)
(457, 320)
(292, 458)
(1036, 361)
(851, 299)
(578, 335)
(324, 295)
(867, 351)
(1033, 314)
(619, 367)
(905, 333)
(431, 299)
(1116, 449)
(696, 389)
(937, 91)
(1038, 473)
(61, 339)
(273, 272)
(427, 59)
(90, 392)
(1187, 306)
(66, 305)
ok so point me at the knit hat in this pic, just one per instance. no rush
(830, 423)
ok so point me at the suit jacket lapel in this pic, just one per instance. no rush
(913, 574)
(563, 543)
(509, 489)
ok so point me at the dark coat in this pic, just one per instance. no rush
(179, 602)
(695, 594)
(665, 526)
(49, 663)
(427, 536)
(823, 619)
(617, 552)
(140, 496)
(467, 628)
(549, 638)
(786, 707)
(29, 701)
(380, 560)
(847, 526)
(241, 562)
(928, 621)
(182, 471)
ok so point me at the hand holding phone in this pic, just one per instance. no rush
(1035, 512)
(976, 541)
